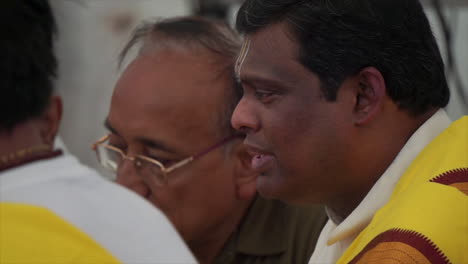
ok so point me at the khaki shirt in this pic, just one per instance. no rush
(273, 233)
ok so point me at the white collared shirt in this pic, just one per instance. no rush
(335, 239)
(128, 227)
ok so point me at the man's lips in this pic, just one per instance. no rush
(261, 160)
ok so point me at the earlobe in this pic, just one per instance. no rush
(370, 95)
(51, 119)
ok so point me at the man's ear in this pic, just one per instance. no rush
(245, 176)
(370, 95)
(50, 119)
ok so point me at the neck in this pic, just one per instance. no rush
(383, 151)
(211, 243)
(22, 136)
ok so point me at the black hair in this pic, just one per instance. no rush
(27, 62)
(338, 38)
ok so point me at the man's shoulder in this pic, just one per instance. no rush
(427, 210)
(78, 194)
(286, 233)
(296, 222)
(64, 181)
(304, 225)
(129, 227)
(31, 233)
(426, 222)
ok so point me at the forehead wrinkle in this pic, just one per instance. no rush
(176, 129)
(185, 121)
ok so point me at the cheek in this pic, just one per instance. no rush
(288, 128)
(197, 197)
(301, 138)
(174, 201)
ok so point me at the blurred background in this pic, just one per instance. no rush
(92, 33)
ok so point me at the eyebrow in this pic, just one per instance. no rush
(251, 80)
(108, 126)
(151, 143)
(156, 144)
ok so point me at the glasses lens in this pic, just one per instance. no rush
(108, 157)
(151, 173)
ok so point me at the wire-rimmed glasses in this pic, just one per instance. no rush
(111, 157)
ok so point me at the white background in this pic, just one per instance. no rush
(92, 32)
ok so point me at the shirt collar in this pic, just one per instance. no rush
(381, 191)
(30, 159)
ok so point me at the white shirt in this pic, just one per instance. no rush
(130, 228)
(335, 239)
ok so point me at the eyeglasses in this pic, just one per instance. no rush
(152, 170)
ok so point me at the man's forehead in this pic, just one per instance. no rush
(166, 121)
(170, 90)
(172, 73)
(270, 53)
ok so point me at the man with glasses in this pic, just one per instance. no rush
(171, 142)
(53, 209)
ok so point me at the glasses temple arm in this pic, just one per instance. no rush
(217, 145)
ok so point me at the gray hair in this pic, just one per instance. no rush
(192, 32)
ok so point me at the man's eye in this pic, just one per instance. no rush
(164, 161)
(117, 141)
(263, 94)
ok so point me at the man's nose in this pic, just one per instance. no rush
(127, 176)
(244, 118)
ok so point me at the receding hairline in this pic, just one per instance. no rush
(210, 39)
(190, 33)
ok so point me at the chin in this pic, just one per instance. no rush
(268, 187)
(274, 187)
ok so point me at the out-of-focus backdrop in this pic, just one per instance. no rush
(92, 33)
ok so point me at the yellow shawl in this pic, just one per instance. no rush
(426, 218)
